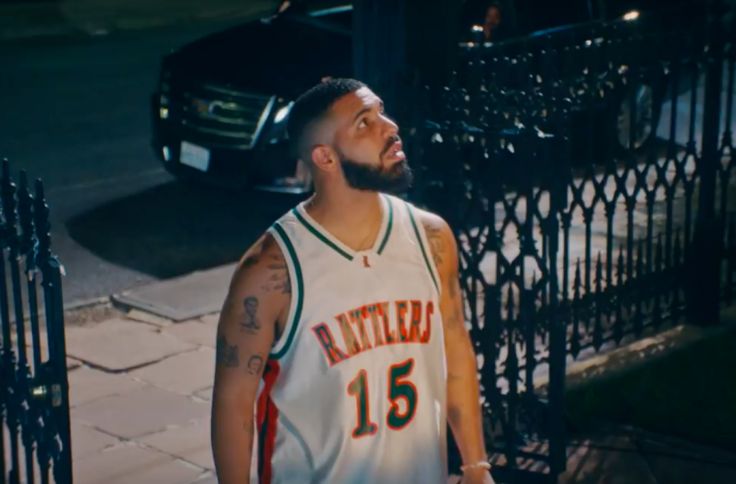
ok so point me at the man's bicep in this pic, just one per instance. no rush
(247, 325)
(443, 248)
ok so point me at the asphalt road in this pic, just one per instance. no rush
(75, 113)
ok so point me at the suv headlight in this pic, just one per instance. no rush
(282, 113)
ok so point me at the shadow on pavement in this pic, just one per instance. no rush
(173, 229)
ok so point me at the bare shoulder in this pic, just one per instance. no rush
(264, 263)
(260, 285)
(440, 237)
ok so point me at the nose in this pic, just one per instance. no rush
(390, 127)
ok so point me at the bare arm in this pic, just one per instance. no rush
(255, 306)
(463, 397)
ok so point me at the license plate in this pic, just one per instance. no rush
(194, 156)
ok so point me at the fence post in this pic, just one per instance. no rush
(703, 256)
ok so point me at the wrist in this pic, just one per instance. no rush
(476, 466)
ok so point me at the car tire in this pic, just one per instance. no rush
(647, 95)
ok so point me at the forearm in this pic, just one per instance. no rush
(232, 442)
(463, 399)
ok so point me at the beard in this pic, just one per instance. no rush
(396, 179)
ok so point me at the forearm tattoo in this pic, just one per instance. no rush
(255, 363)
(250, 322)
(227, 354)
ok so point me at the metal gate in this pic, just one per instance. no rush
(586, 173)
(34, 404)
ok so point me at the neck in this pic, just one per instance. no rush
(353, 216)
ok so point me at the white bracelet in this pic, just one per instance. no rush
(481, 464)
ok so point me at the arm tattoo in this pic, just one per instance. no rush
(437, 245)
(226, 355)
(254, 364)
(250, 322)
(279, 279)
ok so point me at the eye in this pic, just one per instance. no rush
(362, 123)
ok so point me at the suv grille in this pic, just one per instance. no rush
(224, 116)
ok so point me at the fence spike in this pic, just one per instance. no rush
(675, 277)
(599, 305)
(658, 281)
(43, 226)
(618, 328)
(25, 214)
(510, 304)
(677, 251)
(641, 286)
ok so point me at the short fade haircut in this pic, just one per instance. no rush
(312, 106)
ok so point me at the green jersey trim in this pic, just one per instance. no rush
(421, 246)
(389, 226)
(297, 292)
(319, 235)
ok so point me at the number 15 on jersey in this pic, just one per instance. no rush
(400, 389)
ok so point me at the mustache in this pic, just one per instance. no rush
(390, 143)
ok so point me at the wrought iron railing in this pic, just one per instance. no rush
(580, 229)
(34, 404)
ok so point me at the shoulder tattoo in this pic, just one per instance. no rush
(437, 243)
(278, 275)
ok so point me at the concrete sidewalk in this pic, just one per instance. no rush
(140, 390)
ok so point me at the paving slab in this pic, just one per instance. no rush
(120, 344)
(184, 373)
(130, 463)
(207, 478)
(144, 317)
(204, 394)
(189, 442)
(181, 298)
(87, 384)
(609, 460)
(87, 440)
(140, 412)
(194, 331)
(672, 460)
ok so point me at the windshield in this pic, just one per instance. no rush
(318, 8)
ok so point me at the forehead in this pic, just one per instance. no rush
(352, 103)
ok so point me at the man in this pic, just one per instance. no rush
(492, 22)
(343, 325)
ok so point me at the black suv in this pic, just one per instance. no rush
(220, 108)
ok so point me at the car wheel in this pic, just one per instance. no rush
(635, 130)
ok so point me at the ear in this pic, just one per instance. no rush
(324, 158)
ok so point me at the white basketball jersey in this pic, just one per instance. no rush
(354, 389)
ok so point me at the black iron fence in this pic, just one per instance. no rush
(34, 408)
(589, 170)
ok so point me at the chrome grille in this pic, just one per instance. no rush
(222, 115)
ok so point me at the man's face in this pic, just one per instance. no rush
(368, 144)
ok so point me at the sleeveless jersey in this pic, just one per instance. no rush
(354, 389)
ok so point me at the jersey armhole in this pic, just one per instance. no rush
(281, 346)
(425, 248)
